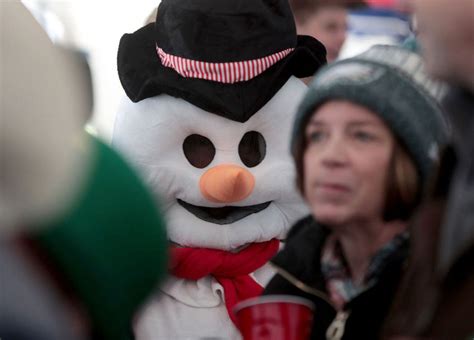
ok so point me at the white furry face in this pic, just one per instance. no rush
(151, 133)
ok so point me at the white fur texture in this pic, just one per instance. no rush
(200, 302)
(151, 134)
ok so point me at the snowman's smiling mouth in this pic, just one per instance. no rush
(224, 215)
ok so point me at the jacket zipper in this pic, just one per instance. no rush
(337, 327)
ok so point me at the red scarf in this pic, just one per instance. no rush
(231, 270)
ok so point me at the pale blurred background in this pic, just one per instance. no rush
(94, 27)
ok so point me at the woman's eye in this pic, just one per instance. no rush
(315, 136)
(364, 136)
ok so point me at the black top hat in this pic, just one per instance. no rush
(228, 57)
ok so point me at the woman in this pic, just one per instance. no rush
(364, 141)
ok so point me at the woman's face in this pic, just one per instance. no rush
(346, 162)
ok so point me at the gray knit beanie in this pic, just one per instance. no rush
(391, 82)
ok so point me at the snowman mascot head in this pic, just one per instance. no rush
(212, 91)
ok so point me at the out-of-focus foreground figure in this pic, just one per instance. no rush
(446, 32)
(81, 243)
(437, 297)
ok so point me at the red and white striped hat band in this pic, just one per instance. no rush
(227, 73)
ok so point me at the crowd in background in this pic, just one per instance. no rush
(391, 128)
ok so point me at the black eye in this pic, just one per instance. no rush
(252, 149)
(199, 150)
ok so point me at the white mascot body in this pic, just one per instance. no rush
(226, 184)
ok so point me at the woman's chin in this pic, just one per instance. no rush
(331, 217)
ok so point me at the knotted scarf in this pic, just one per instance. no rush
(231, 270)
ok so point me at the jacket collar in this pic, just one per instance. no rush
(302, 252)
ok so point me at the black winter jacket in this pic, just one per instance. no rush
(299, 273)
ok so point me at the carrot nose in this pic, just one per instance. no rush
(226, 184)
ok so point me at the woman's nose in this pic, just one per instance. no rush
(334, 152)
(226, 183)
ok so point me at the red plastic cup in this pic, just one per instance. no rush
(275, 317)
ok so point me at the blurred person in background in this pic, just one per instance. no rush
(81, 242)
(437, 297)
(362, 159)
(325, 20)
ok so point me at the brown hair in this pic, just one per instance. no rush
(403, 187)
(303, 9)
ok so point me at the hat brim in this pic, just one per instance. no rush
(142, 76)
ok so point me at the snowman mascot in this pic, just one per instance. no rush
(212, 91)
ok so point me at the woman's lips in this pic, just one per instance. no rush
(335, 188)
